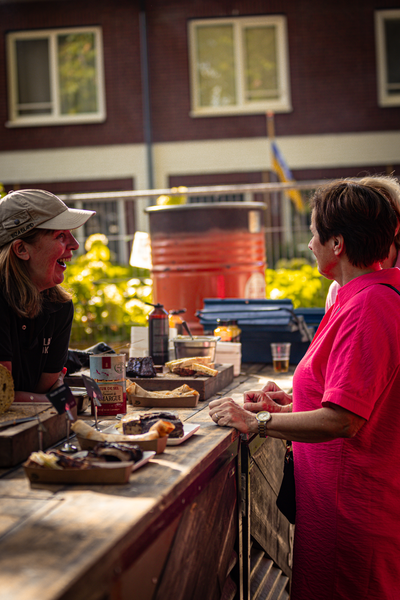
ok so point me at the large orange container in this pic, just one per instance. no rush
(206, 251)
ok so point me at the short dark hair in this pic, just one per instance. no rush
(361, 214)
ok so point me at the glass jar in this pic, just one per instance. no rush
(223, 331)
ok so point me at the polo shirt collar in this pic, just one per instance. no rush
(356, 285)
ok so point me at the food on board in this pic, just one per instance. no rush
(187, 367)
(113, 452)
(157, 430)
(204, 370)
(99, 455)
(6, 389)
(141, 367)
(135, 423)
(184, 362)
(182, 391)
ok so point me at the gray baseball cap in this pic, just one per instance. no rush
(23, 210)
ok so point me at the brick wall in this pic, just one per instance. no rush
(120, 26)
(332, 70)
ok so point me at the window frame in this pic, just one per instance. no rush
(283, 104)
(384, 99)
(55, 118)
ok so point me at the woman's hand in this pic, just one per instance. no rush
(277, 395)
(270, 398)
(60, 380)
(227, 413)
(271, 386)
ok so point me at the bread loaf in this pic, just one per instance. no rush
(6, 389)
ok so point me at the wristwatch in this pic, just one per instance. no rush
(263, 417)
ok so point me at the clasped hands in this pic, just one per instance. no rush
(226, 412)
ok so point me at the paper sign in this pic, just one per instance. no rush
(62, 399)
(92, 389)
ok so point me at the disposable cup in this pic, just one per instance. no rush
(280, 357)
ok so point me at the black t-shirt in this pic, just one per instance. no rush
(35, 346)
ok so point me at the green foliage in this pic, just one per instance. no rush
(108, 298)
(299, 281)
(167, 200)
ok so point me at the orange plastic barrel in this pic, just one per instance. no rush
(203, 250)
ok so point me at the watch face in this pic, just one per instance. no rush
(264, 416)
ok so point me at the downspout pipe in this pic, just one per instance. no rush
(144, 66)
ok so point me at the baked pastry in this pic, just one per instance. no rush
(189, 367)
(6, 389)
(186, 362)
(141, 423)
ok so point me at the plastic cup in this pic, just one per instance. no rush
(280, 357)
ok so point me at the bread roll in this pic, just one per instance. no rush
(6, 389)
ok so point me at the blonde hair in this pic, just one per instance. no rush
(388, 186)
(19, 291)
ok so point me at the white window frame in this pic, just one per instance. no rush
(55, 118)
(283, 104)
(384, 99)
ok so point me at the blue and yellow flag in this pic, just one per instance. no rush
(285, 175)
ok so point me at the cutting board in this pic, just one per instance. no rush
(18, 441)
(206, 386)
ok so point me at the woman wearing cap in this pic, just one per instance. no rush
(36, 312)
(346, 410)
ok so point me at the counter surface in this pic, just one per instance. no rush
(58, 541)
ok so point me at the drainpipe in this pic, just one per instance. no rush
(144, 65)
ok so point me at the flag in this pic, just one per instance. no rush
(285, 175)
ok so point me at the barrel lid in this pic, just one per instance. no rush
(208, 205)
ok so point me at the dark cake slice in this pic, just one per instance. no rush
(141, 367)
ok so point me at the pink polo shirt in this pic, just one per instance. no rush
(334, 287)
(347, 537)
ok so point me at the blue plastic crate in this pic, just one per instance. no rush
(262, 322)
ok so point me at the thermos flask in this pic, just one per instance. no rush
(158, 334)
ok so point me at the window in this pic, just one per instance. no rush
(239, 65)
(387, 25)
(110, 219)
(55, 77)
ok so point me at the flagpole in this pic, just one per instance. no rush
(274, 196)
(270, 125)
(285, 207)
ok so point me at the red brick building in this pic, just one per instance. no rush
(117, 95)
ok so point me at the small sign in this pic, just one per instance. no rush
(62, 399)
(106, 362)
(92, 389)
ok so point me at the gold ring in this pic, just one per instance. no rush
(216, 416)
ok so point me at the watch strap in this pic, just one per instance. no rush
(262, 429)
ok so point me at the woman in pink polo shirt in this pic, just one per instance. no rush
(390, 188)
(345, 416)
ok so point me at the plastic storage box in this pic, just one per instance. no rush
(262, 322)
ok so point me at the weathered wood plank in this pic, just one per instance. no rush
(85, 542)
(17, 442)
(268, 526)
(205, 538)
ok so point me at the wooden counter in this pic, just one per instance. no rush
(181, 528)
